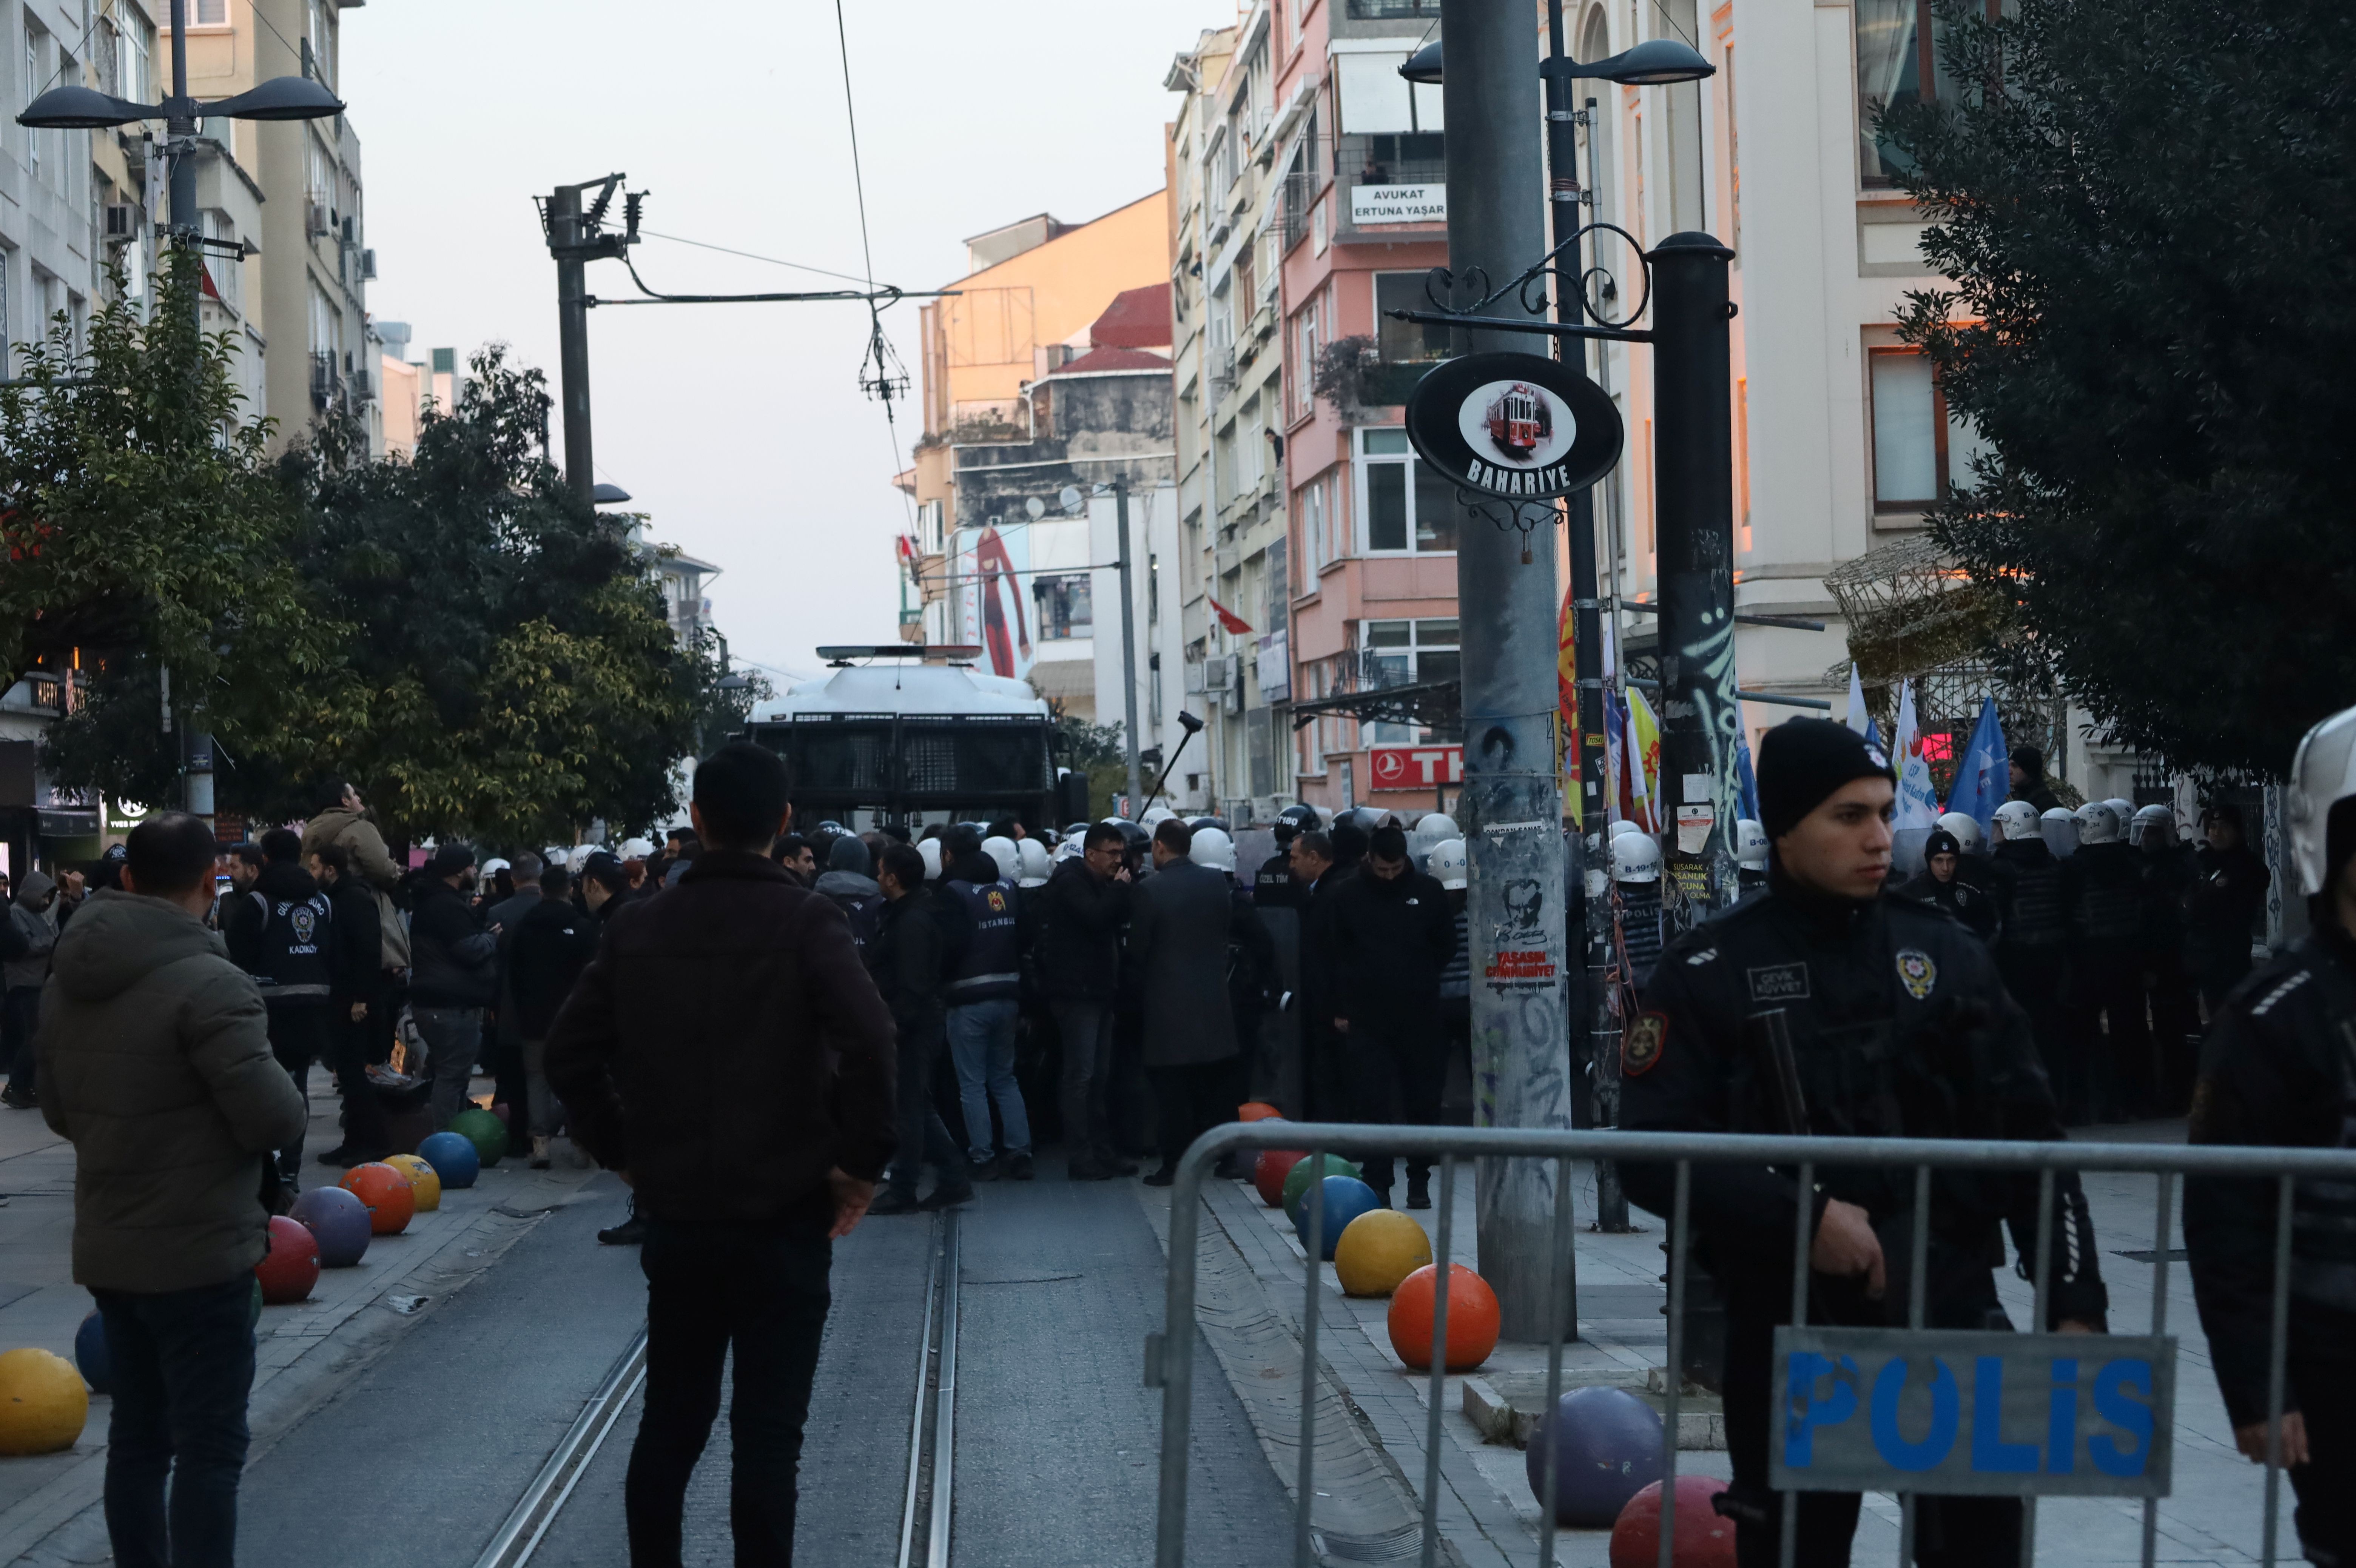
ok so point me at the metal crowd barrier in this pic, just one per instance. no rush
(1170, 1354)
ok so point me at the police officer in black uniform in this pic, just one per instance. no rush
(1890, 1019)
(1941, 885)
(2279, 1067)
(2032, 946)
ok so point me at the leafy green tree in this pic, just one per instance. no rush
(509, 671)
(146, 531)
(1095, 750)
(2148, 208)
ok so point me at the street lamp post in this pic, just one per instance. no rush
(78, 108)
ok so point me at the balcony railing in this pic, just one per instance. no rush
(1393, 10)
(1407, 157)
(323, 379)
(1300, 200)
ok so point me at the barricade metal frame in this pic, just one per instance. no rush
(1170, 1354)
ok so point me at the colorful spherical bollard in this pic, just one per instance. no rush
(1269, 1174)
(1296, 1181)
(484, 1130)
(453, 1157)
(1378, 1250)
(1472, 1318)
(1703, 1537)
(1608, 1450)
(1257, 1111)
(291, 1267)
(90, 1355)
(43, 1402)
(390, 1199)
(424, 1182)
(1346, 1198)
(341, 1222)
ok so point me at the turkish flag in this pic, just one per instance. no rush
(1234, 624)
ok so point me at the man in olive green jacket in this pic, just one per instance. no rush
(154, 1061)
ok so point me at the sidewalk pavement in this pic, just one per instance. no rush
(1487, 1514)
(48, 1503)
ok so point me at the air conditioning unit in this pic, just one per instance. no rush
(316, 219)
(1195, 677)
(122, 221)
(1219, 674)
(367, 266)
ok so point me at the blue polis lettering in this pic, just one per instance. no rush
(2062, 1419)
(1990, 1453)
(1946, 1413)
(1807, 1411)
(2132, 1416)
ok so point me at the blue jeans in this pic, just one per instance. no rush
(981, 1044)
(183, 1367)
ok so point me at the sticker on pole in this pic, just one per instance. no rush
(1961, 1411)
(1516, 425)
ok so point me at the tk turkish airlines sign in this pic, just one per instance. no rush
(1415, 767)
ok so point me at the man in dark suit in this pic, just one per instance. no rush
(727, 1051)
(1178, 932)
(1391, 932)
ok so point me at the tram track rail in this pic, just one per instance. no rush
(927, 1502)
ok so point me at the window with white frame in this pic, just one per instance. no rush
(1404, 342)
(1405, 653)
(208, 12)
(1408, 507)
(1064, 604)
(134, 46)
(1306, 341)
(35, 45)
(1313, 546)
(1921, 448)
(928, 528)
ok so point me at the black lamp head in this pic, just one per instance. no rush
(83, 109)
(608, 496)
(1656, 62)
(280, 97)
(1423, 66)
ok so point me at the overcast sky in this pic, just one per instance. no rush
(741, 428)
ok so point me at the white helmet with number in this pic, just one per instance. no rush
(1431, 829)
(2125, 809)
(1635, 857)
(1155, 816)
(2058, 829)
(1031, 856)
(494, 866)
(2098, 823)
(2322, 777)
(1966, 829)
(931, 850)
(1213, 848)
(636, 848)
(1447, 864)
(2015, 820)
(2151, 818)
(1751, 844)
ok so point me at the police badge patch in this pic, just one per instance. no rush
(1915, 968)
(1641, 1047)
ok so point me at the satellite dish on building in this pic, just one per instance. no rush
(1073, 502)
(1036, 508)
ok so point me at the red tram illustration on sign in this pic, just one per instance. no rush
(1519, 420)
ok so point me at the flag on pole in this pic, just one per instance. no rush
(1746, 783)
(1236, 624)
(1566, 676)
(1614, 731)
(1982, 776)
(1858, 719)
(1918, 801)
(1644, 758)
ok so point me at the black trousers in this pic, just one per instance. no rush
(2110, 1019)
(365, 1131)
(298, 1036)
(2175, 1031)
(712, 1288)
(2034, 977)
(1085, 1029)
(1194, 1099)
(2326, 1390)
(20, 1014)
(1397, 1064)
(923, 1134)
(1949, 1532)
(183, 1364)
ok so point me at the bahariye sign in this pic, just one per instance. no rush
(1514, 425)
(1965, 1412)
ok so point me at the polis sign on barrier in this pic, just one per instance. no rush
(1966, 1412)
(1514, 425)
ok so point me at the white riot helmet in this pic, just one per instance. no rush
(1154, 816)
(2322, 775)
(931, 850)
(1432, 829)
(1004, 856)
(2150, 819)
(581, 853)
(2098, 823)
(493, 866)
(2125, 809)
(1447, 864)
(2058, 829)
(636, 848)
(1069, 848)
(2015, 820)
(1622, 824)
(1635, 857)
(1751, 845)
(1966, 829)
(1211, 847)
(1032, 856)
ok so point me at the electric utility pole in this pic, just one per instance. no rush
(1506, 602)
(576, 237)
(1128, 651)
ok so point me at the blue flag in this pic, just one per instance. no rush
(1746, 783)
(1982, 773)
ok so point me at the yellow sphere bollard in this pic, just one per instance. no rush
(424, 1181)
(43, 1402)
(1378, 1250)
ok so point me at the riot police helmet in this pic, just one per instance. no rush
(2098, 823)
(1212, 847)
(1635, 857)
(1966, 831)
(1751, 845)
(2015, 820)
(2320, 808)
(1447, 864)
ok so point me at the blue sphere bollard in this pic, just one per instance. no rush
(90, 1354)
(1346, 1198)
(453, 1159)
(1610, 1448)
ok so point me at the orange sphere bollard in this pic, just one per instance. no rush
(1257, 1111)
(1472, 1318)
(1269, 1174)
(387, 1192)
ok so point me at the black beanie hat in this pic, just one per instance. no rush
(1802, 761)
(1941, 842)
